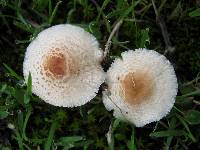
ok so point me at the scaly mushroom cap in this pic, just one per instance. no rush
(142, 87)
(64, 61)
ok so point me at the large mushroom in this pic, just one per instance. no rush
(142, 87)
(64, 61)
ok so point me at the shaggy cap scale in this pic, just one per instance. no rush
(64, 61)
(142, 87)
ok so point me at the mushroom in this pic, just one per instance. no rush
(142, 87)
(64, 61)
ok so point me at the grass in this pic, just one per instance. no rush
(29, 123)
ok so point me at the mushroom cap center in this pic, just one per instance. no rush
(136, 87)
(58, 65)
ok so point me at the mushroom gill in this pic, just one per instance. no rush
(136, 87)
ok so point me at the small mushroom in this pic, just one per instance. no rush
(142, 87)
(64, 61)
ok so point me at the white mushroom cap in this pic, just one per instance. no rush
(142, 87)
(64, 61)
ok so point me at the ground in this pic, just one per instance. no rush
(171, 28)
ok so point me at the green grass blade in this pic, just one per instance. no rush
(195, 13)
(131, 143)
(19, 140)
(70, 139)
(167, 133)
(53, 128)
(12, 72)
(22, 26)
(50, 7)
(25, 124)
(168, 143)
(20, 120)
(29, 84)
(194, 93)
(28, 93)
(3, 114)
(54, 12)
(186, 127)
(105, 3)
(144, 38)
(193, 117)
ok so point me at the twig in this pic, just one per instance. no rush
(109, 134)
(161, 23)
(116, 27)
(108, 43)
(196, 102)
(163, 124)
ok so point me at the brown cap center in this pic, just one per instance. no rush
(56, 65)
(59, 63)
(136, 87)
